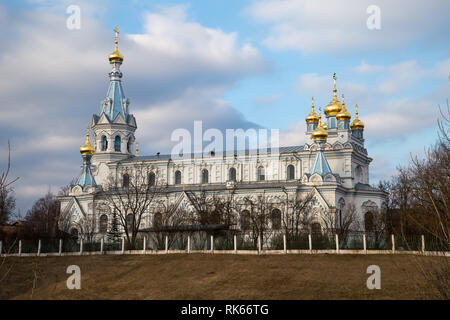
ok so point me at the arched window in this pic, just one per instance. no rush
(358, 173)
(126, 180)
(276, 219)
(339, 217)
(129, 145)
(290, 172)
(104, 143)
(316, 228)
(130, 222)
(245, 220)
(103, 223)
(74, 233)
(178, 177)
(117, 144)
(205, 176)
(232, 174)
(368, 222)
(157, 220)
(151, 178)
(261, 174)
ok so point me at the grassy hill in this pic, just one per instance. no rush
(204, 276)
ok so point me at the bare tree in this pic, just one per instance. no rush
(297, 216)
(167, 218)
(259, 210)
(42, 220)
(130, 192)
(7, 200)
(345, 221)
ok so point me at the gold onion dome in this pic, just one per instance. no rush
(87, 148)
(334, 107)
(343, 114)
(357, 124)
(312, 117)
(320, 133)
(116, 55)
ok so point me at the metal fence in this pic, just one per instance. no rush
(232, 241)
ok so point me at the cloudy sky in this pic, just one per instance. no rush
(230, 63)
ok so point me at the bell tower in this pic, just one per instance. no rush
(114, 128)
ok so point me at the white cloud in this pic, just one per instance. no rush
(340, 26)
(384, 109)
(267, 100)
(53, 80)
(294, 135)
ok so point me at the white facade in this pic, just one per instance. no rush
(343, 152)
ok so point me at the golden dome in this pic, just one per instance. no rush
(87, 148)
(320, 133)
(116, 55)
(334, 107)
(357, 124)
(324, 125)
(343, 114)
(312, 117)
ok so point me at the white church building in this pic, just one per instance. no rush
(333, 164)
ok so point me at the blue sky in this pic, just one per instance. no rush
(232, 64)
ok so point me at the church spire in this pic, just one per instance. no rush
(116, 55)
(115, 102)
(85, 178)
(320, 135)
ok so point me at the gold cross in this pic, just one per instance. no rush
(116, 30)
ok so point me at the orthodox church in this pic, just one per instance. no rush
(333, 164)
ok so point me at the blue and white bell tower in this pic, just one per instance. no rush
(114, 128)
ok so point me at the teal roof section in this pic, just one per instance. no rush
(321, 165)
(86, 178)
(115, 102)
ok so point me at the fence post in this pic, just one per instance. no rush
(364, 243)
(101, 245)
(337, 243)
(310, 243)
(235, 243)
(423, 244)
(189, 244)
(60, 247)
(39, 248)
(284, 243)
(81, 246)
(20, 247)
(123, 245)
(167, 244)
(393, 243)
(144, 245)
(212, 244)
(259, 244)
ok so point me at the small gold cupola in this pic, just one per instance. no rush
(343, 114)
(357, 124)
(116, 55)
(87, 148)
(312, 117)
(320, 133)
(334, 107)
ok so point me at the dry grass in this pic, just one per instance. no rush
(203, 276)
